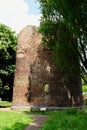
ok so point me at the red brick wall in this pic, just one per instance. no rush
(38, 81)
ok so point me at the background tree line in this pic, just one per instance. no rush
(8, 42)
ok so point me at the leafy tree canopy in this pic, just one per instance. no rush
(8, 42)
(64, 29)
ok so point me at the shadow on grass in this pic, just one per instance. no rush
(16, 126)
(37, 112)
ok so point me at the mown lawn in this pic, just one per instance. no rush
(67, 120)
(5, 104)
(14, 120)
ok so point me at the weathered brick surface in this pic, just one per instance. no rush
(38, 81)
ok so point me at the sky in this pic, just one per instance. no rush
(19, 13)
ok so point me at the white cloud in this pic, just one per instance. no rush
(14, 13)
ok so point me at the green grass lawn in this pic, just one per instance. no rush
(14, 120)
(67, 120)
(5, 104)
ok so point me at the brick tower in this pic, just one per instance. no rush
(38, 81)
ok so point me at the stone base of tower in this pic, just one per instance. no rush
(21, 107)
(51, 108)
(40, 108)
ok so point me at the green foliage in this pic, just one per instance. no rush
(84, 88)
(63, 25)
(14, 121)
(71, 119)
(84, 85)
(8, 42)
